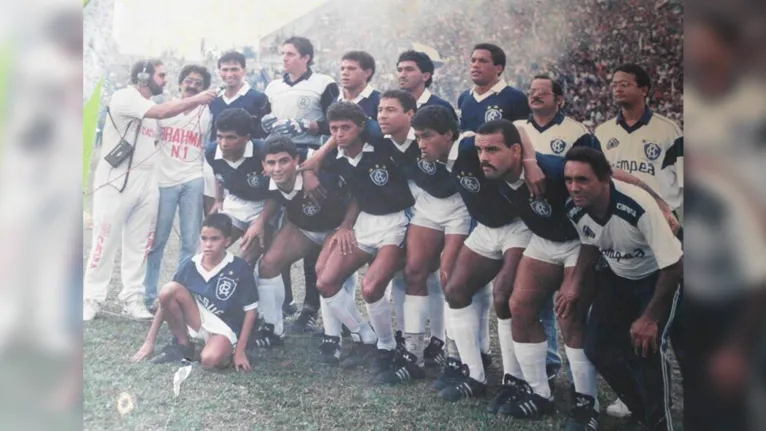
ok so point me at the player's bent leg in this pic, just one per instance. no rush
(423, 246)
(376, 297)
(217, 352)
(337, 268)
(289, 245)
(181, 311)
(535, 282)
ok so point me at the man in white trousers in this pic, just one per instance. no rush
(125, 190)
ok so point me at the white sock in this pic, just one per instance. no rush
(449, 341)
(343, 307)
(398, 288)
(332, 326)
(380, 319)
(269, 301)
(464, 325)
(531, 357)
(436, 305)
(510, 363)
(415, 316)
(583, 373)
(482, 301)
(452, 349)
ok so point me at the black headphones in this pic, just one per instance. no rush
(143, 77)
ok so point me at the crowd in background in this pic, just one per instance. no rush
(579, 42)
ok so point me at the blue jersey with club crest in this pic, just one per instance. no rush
(243, 178)
(228, 290)
(374, 177)
(429, 176)
(500, 101)
(322, 216)
(547, 217)
(481, 195)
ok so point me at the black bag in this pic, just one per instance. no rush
(123, 150)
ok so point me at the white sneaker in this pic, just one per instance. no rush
(618, 409)
(90, 310)
(137, 310)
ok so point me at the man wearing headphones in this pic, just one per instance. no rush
(125, 190)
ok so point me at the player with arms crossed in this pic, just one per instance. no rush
(637, 290)
(307, 225)
(212, 298)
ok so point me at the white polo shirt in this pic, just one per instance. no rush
(635, 239)
(651, 150)
(558, 136)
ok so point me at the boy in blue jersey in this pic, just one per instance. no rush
(636, 291)
(416, 70)
(372, 232)
(238, 169)
(491, 98)
(307, 224)
(491, 251)
(212, 298)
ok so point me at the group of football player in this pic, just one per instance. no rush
(512, 205)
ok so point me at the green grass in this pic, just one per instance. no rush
(288, 388)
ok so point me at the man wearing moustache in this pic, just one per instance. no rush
(179, 174)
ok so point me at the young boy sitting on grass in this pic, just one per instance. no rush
(211, 298)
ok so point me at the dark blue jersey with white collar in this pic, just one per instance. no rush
(228, 290)
(547, 217)
(322, 216)
(429, 176)
(244, 178)
(374, 178)
(481, 195)
(501, 101)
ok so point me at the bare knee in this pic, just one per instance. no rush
(501, 301)
(372, 291)
(523, 307)
(213, 358)
(268, 268)
(456, 296)
(415, 276)
(169, 291)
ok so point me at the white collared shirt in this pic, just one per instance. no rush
(363, 95)
(248, 153)
(244, 89)
(407, 142)
(423, 98)
(501, 84)
(518, 183)
(298, 186)
(207, 275)
(367, 148)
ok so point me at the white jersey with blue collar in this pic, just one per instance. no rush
(558, 136)
(634, 238)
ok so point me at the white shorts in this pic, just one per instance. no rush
(556, 253)
(209, 178)
(316, 237)
(492, 242)
(211, 325)
(242, 212)
(448, 215)
(373, 232)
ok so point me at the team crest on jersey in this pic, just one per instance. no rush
(558, 146)
(541, 207)
(303, 102)
(493, 112)
(253, 180)
(311, 209)
(426, 166)
(469, 182)
(652, 151)
(588, 231)
(379, 175)
(225, 287)
(613, 143)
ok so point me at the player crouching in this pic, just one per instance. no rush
(211, 298)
